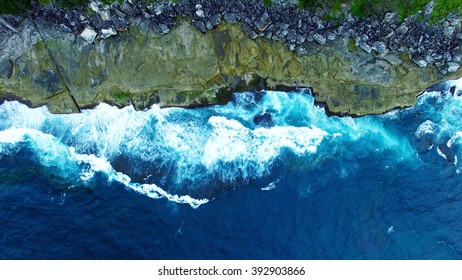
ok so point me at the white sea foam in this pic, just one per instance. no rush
(18, 115)
(271, 185)
(441, 153)
(231, 142)
(52, 153)
(391, 229)
(193, 148)
(150, 190)
(13, 136)
(427, 127)
(454, 138)
(457, 83)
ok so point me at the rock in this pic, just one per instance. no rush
(380, 47)
(89, 34)
(230, 17)
(105, 15)
(105, 33)
(419, 61)
(453, 67)
(428, 10)
(454, 20)
(249, 31)
(429, 58)
(365, 47)
(389, 17)
(321, 39)
(63, 104)
(300, 39)
(457, 57)
(263, 22)
(126, 8)
(393, 59)
(157, 9)
(215, 19)
(200, 25)
(292, 36)
(65, 28)
(144, 25)
(448, 31)
(49, 80)
(205, 62)
(94, 6)
(199, 11)
(284, 26)
(119, 24)
(6, 68)
(331, 36)
(389, 33)
(401, 30)
(264, 120)
(7, 25)
(164, 28)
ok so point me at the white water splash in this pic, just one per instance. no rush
(271, 185)
(51, 152)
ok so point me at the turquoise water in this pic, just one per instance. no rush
(268, 176)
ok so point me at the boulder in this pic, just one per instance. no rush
(89, 34)
(419, 61)
(249, 31)
(105, 33)
(428, 10)
(448, 31)
(200, 25)
(263, 22)
(453, 67)
(321, 39)
(389, 17)
(401, 30)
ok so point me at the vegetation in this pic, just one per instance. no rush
(351, 45)
(71, 3)
(14, 6)
(45, 2)
(122, 95)
(268, 3)
(366, 8)
(21, 6)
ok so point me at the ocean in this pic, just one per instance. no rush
(268, 176)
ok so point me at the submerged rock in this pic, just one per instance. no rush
(264, 120)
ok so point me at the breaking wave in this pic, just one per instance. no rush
(191, 155)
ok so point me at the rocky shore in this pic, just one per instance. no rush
(193, 53)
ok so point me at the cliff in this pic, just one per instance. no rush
(183, 65)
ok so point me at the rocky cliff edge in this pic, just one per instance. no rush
(186, 63)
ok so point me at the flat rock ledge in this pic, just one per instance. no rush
(197, 53)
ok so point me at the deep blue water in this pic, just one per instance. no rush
(209, 183)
